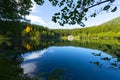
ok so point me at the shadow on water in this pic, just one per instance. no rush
(11, 51)
(113, 63)
(11, 58)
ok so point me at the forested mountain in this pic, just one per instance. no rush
(108, 30)
(113, 21)
(9, 29)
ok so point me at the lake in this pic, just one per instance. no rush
(59, 60)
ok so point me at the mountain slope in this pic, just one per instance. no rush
(113, 21)
(110, 29)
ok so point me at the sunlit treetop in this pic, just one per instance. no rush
(28, 28)
(72, 11)
(28, 47)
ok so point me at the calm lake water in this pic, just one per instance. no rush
(63, 60)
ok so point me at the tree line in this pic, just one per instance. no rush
(108, 30)
(11, 29)
(38, 32)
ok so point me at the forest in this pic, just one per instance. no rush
(108, 30)
(9, 29)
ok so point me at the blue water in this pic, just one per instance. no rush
(71, 63)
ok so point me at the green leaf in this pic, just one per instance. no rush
(39, 2)
(54, 19)
(115, 8)
(112, 1)
(79, 2)
(85, 10)
(106, 7)
(78, 6)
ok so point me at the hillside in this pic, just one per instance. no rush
(113, 21)
(110, 29)
(10, 29)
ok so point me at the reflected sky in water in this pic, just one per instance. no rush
(34, 55)
(76, 63)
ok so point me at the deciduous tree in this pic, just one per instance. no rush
(72, 11)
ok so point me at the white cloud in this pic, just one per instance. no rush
(50, 24)
(53, 25)
(36, 20)
(29, 67)
(34, 55)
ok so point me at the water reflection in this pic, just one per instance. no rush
(33, 55)
(74, 63)
(11, 52)
(112, 63)
(25, 59)
(10, 61)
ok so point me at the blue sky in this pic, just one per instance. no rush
(42, 15)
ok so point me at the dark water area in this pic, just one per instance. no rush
(64, 60)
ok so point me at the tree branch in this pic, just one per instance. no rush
(98, 4)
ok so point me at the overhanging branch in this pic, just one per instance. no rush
(98, 4)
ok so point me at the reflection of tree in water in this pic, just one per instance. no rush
(53, 75)
(106, 62)
(56, 74)
(11, 59)
(110, 46)
(37, 44)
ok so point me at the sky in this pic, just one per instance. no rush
(42, 15)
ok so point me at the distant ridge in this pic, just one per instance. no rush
(113, 21)
(107, 30)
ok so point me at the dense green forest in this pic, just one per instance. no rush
(9, 29)
(108, 30)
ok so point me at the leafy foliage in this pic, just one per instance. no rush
(28, 29)
(15, 10)
(72, 11)
(115, 8)
(108, 30)
(106, 7)
(11, 29)
(38, 32)
(75, 12)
